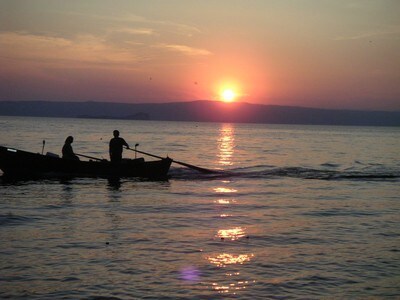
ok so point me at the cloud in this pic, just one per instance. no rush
(106, 41)
(122, 18)
(135, 31)
(185, 49)
(180, 29)
(124, 21)
(22, 50)
(173, 27)
(383, 33)
(83, 49)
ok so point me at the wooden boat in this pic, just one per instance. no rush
(20, 164)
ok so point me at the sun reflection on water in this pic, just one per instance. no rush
(224, 201)
(235, 281)
(226, 143)
(225, 215)
(224, 259)
(232, 287)
(232, 233)
(224, 190)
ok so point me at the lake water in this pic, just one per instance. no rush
(302, 212)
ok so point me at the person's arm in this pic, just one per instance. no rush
(126, 144)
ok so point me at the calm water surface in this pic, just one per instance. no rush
(302, 212)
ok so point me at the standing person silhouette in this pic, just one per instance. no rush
(116, 144)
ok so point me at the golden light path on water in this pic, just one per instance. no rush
(226, 143)
(234, 279)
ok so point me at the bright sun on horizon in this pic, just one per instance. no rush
(228, 95)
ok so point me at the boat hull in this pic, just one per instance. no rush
(21, 164)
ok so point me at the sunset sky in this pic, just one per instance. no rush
(312, 53)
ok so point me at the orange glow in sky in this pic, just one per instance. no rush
(269, 52)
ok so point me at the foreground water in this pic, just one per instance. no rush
(303, 212)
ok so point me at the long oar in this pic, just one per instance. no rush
(87, 156)
(203, 170)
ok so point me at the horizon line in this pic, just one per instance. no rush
(204, 100)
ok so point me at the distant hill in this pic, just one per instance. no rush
(201, 111)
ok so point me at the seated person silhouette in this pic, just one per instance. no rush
(67, 151)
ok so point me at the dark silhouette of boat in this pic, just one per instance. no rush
(22, 164)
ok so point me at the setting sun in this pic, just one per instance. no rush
(228, 95)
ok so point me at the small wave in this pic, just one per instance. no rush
(340, 212)
(293, 172)
(70, 278)
(102, 298)
(12, 219)
(189, 174)
(330, 165)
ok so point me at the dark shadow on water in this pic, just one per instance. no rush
(114, 189)
(24, 180)
(114, 184)
(68, 193)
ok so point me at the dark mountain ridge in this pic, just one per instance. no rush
(201, 111)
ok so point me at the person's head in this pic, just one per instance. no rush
(116, 133)
(69, 140)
